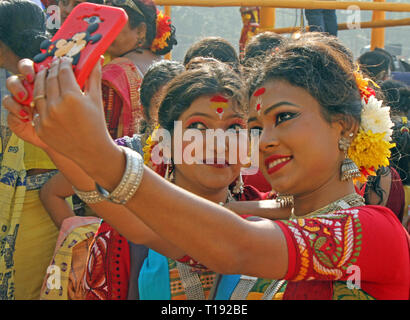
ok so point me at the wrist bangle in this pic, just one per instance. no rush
(130, 181)
(90, 197)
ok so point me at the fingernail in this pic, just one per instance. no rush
(23, 113)
(25, 120)
(21, 95)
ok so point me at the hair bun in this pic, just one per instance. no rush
(165, 38)
(36, 38)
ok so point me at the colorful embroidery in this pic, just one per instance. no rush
(342, 292)
(328, 244)
(107, 269)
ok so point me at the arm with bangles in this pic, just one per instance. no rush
(204, 230)
(117, 216)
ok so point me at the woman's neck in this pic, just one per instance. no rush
(214, 195)
(327, 193)
(142, 59)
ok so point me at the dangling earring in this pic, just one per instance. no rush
(349, 169)
(169, 172)
(238, 189)
(139, 46)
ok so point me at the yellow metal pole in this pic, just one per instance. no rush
(378, 34)
(167, 11)
(344, 26)
(267, 17)
(306, 4)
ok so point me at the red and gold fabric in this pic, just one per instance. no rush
(108, 266)
(325, 249)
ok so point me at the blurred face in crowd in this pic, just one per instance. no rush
(66, 6)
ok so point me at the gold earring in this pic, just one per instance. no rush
(238, 188)
(349, 169)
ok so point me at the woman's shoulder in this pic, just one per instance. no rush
(120, 66)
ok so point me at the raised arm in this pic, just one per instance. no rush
(59, 187)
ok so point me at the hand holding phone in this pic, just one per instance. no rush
(84, 36)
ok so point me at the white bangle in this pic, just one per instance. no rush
(130, 181)
(89, 197)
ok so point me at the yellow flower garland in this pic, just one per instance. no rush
(370, 150)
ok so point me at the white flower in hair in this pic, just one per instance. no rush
(376, 117)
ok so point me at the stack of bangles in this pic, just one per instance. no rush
(127, 187)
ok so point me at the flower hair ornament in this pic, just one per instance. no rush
(370, 149)
(163, 169)
(164, 31)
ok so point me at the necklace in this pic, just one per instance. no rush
(349, 201)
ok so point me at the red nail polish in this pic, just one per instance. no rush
(25, 120)
(30, 77)
(23, 113)
(21, 95)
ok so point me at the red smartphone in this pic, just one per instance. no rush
(84, 36)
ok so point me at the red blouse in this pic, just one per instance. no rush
(366, 243)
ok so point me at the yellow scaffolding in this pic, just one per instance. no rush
(306, 4)
(379, 7)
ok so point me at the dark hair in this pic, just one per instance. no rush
(331, 41)
(374, 63)
(149, 17)
(315, 66)
(397, 96)
(22, 27)
(261, 45)
(158, 75)
(400, 154)
(213, 47)
(205, 78)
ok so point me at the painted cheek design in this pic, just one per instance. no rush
(258, 95)
(219, 103)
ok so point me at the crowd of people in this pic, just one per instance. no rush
(88, 213)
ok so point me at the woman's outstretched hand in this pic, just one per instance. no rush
(65, 118)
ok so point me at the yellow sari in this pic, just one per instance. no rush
(12, 194)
